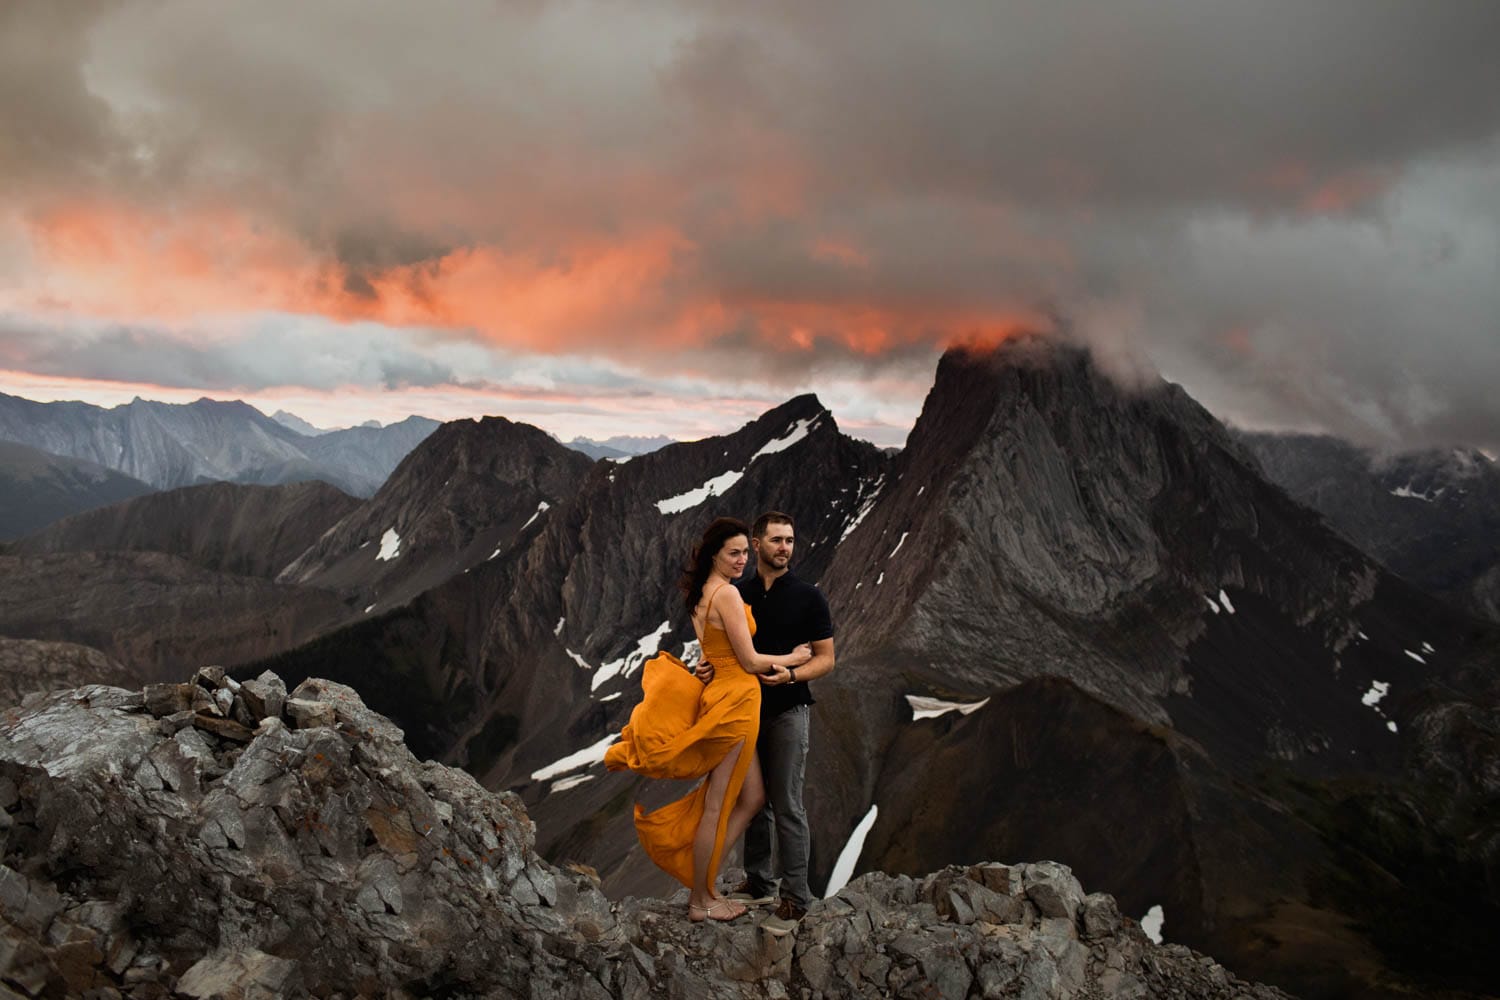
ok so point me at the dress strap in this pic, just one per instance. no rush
(707, 606)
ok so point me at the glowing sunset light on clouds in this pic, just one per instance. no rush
(667, 218)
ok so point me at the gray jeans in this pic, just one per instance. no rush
(782, 747)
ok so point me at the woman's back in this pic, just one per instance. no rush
(717, 649)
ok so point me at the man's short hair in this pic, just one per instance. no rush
(770, 517)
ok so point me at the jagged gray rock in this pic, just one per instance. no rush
(151, 860)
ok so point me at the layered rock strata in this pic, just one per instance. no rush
(227, 839)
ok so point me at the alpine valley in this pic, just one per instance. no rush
(1076, 621)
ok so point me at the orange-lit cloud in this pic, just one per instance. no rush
(1323, 193)
(752, 191)
(126, 264)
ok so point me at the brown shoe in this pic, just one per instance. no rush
(746, 893)
(788, 914)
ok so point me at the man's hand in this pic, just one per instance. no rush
(704, 671)
(777, 677)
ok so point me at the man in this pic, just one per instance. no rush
(788, 612)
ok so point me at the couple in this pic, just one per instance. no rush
(740, 721)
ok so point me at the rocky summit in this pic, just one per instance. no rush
(232, 839)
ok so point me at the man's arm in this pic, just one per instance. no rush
(820, 665)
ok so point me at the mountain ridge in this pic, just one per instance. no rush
(168, 445)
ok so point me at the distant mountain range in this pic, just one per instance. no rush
(167, 445)
(621, 446)
(301, 426)
(1074, 622)
(1432, 516)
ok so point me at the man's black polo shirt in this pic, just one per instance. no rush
(792, 612)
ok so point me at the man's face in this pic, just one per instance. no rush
(774, 548)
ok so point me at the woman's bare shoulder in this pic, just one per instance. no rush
(726, 599)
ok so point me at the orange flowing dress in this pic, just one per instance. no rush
(683, 729)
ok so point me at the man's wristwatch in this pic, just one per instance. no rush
(792, 672)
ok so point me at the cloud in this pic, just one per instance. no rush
(1291, 208)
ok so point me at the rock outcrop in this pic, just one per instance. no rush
(31, 666)
(224, 839)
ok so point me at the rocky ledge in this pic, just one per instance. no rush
(219, 839)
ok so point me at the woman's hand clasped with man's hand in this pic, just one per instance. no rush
(704, 671)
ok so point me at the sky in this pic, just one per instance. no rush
(665, 218)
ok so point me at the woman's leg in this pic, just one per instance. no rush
(701, 898)
(752, 800)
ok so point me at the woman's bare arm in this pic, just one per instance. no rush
(731, 611)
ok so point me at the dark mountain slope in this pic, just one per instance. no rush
(1045, 522)
(248, 530)
(37, 488)
(1432, 517)
(159, 615)
(463, 496)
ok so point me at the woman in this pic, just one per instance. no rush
(684, 729)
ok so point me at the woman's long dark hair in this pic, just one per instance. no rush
(695, 573)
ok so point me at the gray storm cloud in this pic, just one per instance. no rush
(1292, 208)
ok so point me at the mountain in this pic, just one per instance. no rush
(465, 495)
(227, 527)
(1075, 621)
(506, 667)
(37, 488)
(359, 459)
(621, 446)
(168, 445)
(158, 614)
(296, 423)
(1431, 516)
(1135, 619)
(217, 839)
(1144, 635)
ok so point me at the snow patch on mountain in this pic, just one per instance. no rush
(898, 545)
(930, 708)
(1378, 690)
(717, 486)
(867, 505)
(1152, 922)
(632, 661)
(795, 433)
(721, 484)
(390, 545)
(541, 509)
(591, 754)
(1408, 493)
(843, 868)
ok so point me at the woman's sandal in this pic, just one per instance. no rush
(709, 912)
